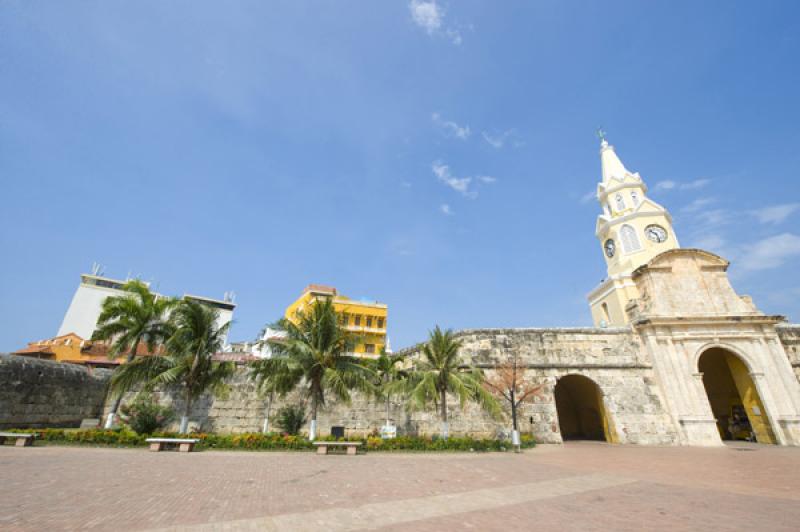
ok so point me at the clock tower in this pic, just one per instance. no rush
(632, 229)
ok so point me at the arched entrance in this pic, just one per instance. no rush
(581, 415)
(733, 397)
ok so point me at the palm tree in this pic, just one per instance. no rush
(128, 321)
(313, 355)
(188, 362)
(440, 370)
(387, 371)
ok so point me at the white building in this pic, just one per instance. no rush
(83, 311)
(259, 348)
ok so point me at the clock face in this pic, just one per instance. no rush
(610, 248)
(656, 233)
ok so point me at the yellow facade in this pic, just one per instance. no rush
(366, 320)
(631, 230)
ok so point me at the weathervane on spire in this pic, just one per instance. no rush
(601, 134)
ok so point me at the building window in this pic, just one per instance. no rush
(345, 319)
(630, 242)
(380, 323)
(620, 202)
(635, 198)
(369, 349)
(606, 316)
(358, 321)
(369, 321)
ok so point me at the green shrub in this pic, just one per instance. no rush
(274, 441)
(290, 419)
(145, 416)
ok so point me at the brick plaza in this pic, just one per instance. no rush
(577, 486)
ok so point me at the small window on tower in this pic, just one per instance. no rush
(635, 198)
(606, 315)
(630, 242)
(620, 202)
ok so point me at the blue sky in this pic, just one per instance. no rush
(433, 156)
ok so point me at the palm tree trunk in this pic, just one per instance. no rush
(185, 417)
(265, 428)
(312, 433)
(445, 427)
(115, 407)
(387, 409)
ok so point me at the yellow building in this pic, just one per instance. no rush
(365, 319)
(632, 229)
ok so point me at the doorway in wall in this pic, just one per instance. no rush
(734, 398)
(581, 414)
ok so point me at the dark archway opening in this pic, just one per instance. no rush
(733, 397)
(581, 415)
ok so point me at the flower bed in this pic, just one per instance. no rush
(273, 441)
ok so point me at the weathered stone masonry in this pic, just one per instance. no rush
(42, 393)
(612, 358)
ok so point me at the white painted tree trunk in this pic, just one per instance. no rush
(184, 424)
(312, 433)
(110, 420)
(445, 430)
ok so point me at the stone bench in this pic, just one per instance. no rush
(23, 440)
(185, 445)
(351, 446)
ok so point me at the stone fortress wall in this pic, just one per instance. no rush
(790, 338)
(610, 357)
(41, 393)
(38, 393)
(613, 358)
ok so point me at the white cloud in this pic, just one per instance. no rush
(770, 252)
(698, 204)
(710, 242)
(430, 17)
(693, 185)
(454, 36)
(460, 184)
(450, 127)
(405, 184)
(446, 210)
(669, 184)
(589, 196)
(426, 15)
(497, 140)
(715, 217)
(775, 214)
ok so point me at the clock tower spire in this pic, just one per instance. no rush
(631, 229)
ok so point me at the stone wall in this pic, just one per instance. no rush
(42, 393)
(790, 339)
(612, 358)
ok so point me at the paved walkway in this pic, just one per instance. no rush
(578, 486)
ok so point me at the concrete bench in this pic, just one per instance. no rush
(185, 445)
(323, 446)
(23, 440)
